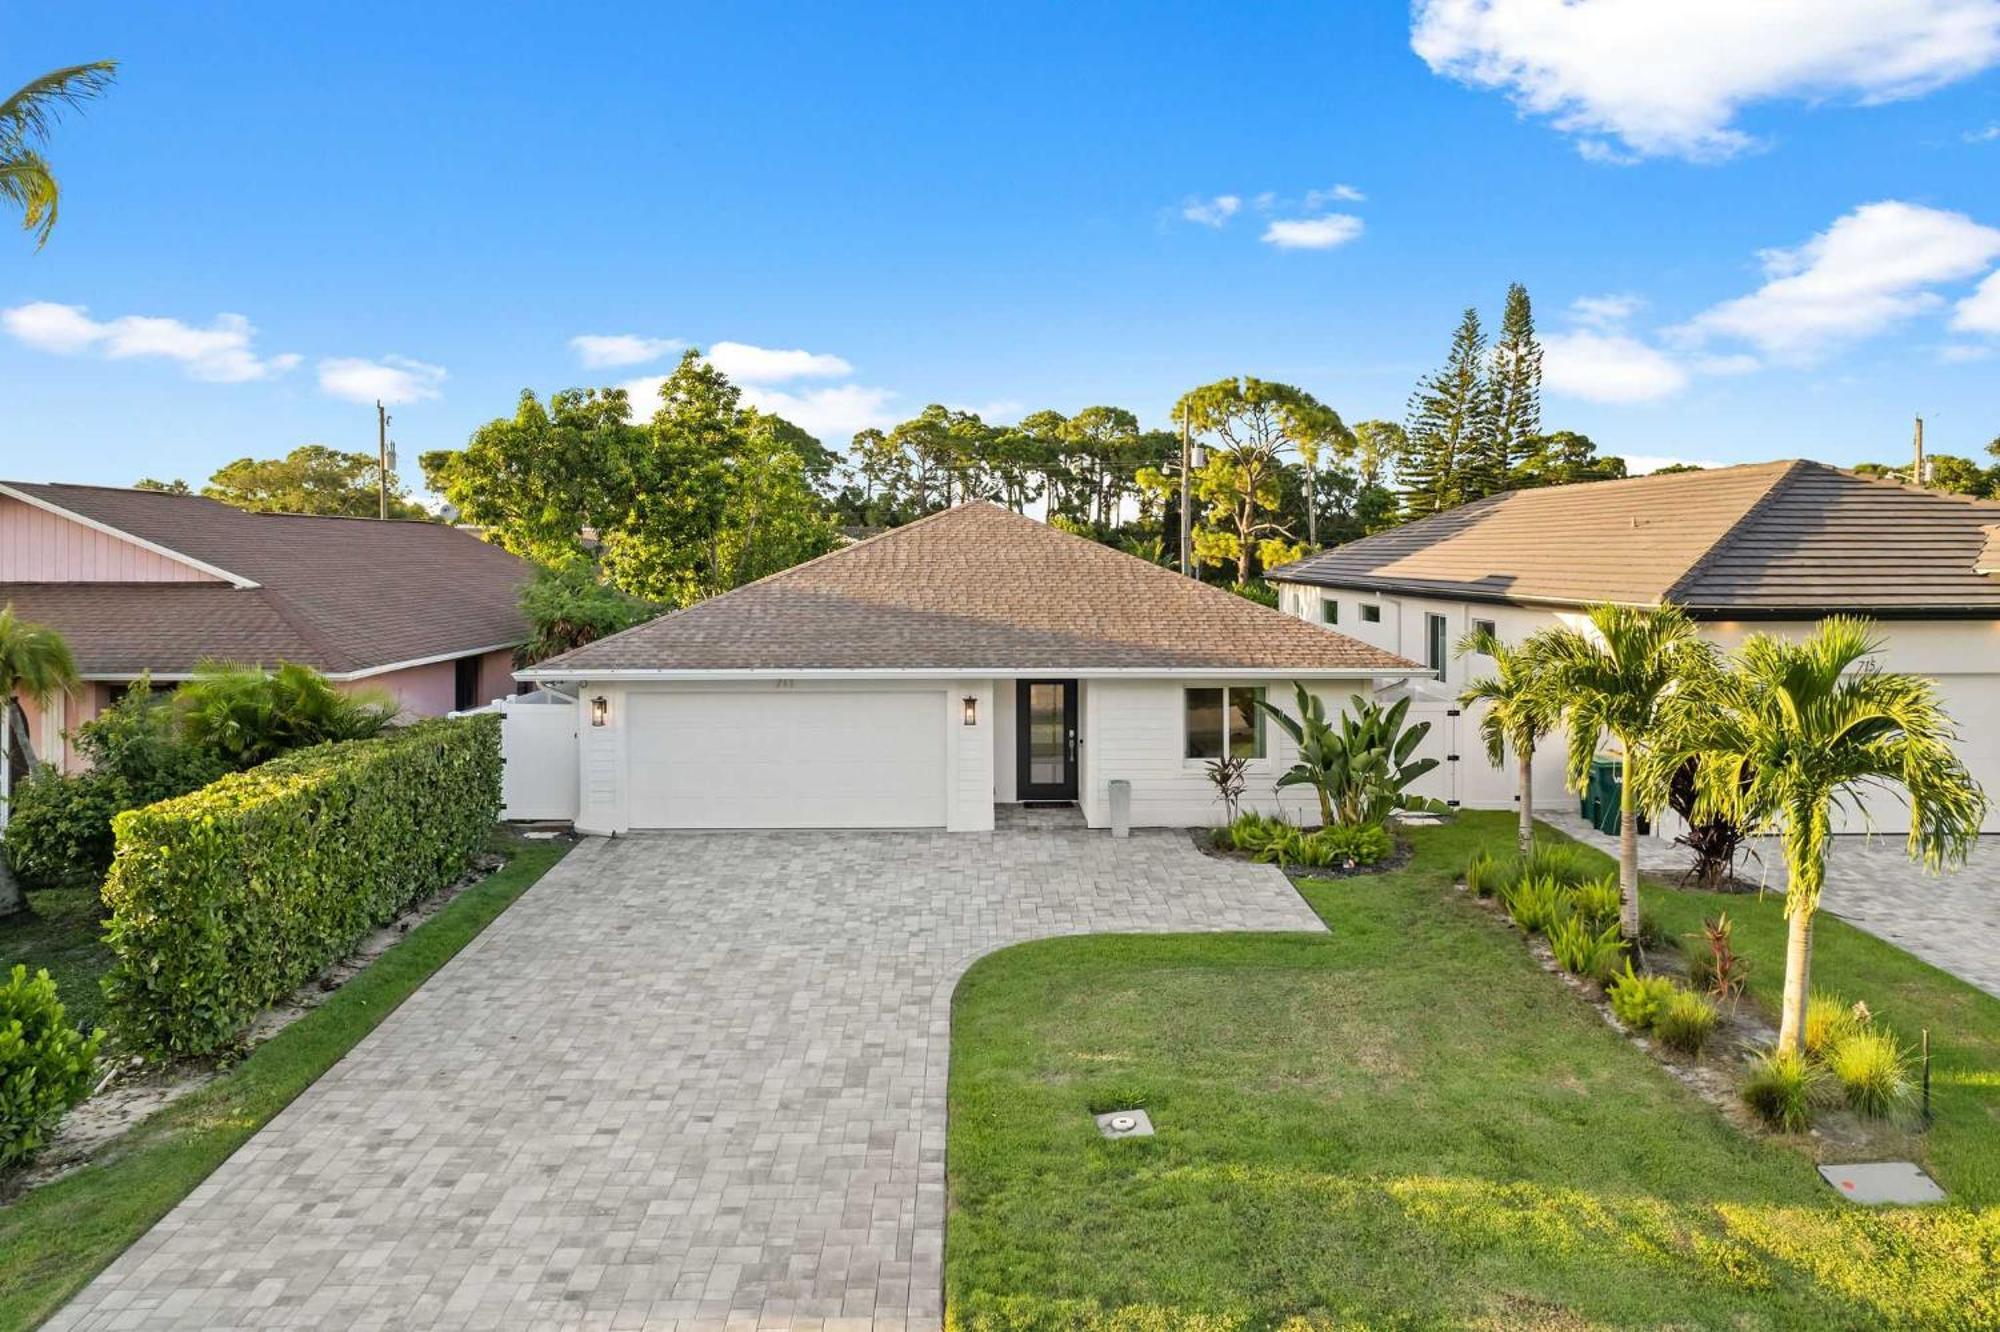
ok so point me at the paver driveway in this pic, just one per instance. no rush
(687, 1081)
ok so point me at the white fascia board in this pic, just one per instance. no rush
(985, 673)
(338, 677)
(163, 552)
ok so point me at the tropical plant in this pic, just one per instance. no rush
(46, 1065)
(1352, 844)
(1226, 775)
(1583, 950)
(1798, 729)
(1873, 1072)
(26, 120)
(1781, 1087)
(1516, 712)
(1619, 677)
(1830, 1020)
(1638, 1000)
(1714, 965)
(1596, 902)
(569, 604)
(36, 664)
(1564, 862)
(1687, 1022)
(1483, 874)
(1714, 840)
(250, 715)
(1252, 832)
(1537, 904)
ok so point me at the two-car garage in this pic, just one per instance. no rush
(777, 758)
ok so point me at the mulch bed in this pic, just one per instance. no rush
(1204, 842)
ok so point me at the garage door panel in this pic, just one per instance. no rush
(774, 759)
(1973, 702)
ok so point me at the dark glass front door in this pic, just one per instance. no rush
(1045, 727)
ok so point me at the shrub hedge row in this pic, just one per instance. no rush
(227, 899)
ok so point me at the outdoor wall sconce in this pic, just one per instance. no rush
(600, 710)
(971, 711)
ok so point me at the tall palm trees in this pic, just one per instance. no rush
(1797, 728)
(34, 662)
(1519, 711)
(26, 118)
(1616, 674)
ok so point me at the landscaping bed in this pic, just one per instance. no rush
(1408, 1122)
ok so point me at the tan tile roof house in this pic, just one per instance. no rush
(142, 581)
(921, 677)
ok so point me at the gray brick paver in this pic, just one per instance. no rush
(690, 1081)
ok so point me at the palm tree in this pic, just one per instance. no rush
(35, 663)
(1800, 728)
(1616, 677)
(1519, 712)
(26, 119)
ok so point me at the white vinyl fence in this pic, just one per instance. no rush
(538, 743)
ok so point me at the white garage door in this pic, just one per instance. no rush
(778, 759)
(1974, 704)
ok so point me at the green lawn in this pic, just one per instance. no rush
(1405, 1124)
(60, 933)
(55, 1239)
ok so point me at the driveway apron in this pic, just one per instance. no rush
(687, 1081)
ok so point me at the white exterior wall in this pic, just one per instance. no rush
(1962, 655)
(1135, 730)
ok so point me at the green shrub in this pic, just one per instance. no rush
(250, 715)
(229, 898)
(1253, 832)
(1564, 862)
(1687, 1022)
(1583, 951)
(1639, 1000)
(1872, 1070)
(1597, 901)
(569, 605)
(1780, 1089)
(1830, 1020)
(45, 1064)
(1536, 904)
(1484, 874)
(1362, 843)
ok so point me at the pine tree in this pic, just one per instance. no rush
(1450, 420)
(1517, 396)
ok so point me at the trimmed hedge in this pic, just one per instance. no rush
(227, 899)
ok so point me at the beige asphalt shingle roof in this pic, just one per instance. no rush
(976, 588)
(339, 594)
(1765, 538)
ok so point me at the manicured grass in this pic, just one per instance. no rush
(55, 1239)
(1405, 1123)
(60, 933)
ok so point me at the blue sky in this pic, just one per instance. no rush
(1748, 234)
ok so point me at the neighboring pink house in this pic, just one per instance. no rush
(141, 582)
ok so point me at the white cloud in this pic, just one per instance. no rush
(1608, 311)
(392, 379)
(220, 353)
(1964, 353)
(766, 365)
(1313, 233)
(831, 414)
(1656, 79)
(1211, 212)
(1991, 134)
(597, 350)
(1609, 366)
(1980, 312)
(1317, 199)
(1870, 270)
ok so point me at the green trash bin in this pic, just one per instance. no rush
(1607, 778)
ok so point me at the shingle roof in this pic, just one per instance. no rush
(975, 588)
(339, 594)
(1765, 538)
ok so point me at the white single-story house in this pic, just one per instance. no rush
(918, 678)
(1770, 547)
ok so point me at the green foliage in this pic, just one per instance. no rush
(26, 120)
(1252, 423)
(311, 479)
(1596, 902)
(1830, 1020)
(1274, 841)
(1687, 1022)
(1873, 1071)
(61, 827)
(1484, 874)
(1639, 1000)
(1257, 590)
(1780, 1088)
(1584, 950)
(250, 715)
(227, 899)
(1538, 903)
(569, 605)
(1565, 862)
(1450, 431)
(45, 1063)
(1361, 843)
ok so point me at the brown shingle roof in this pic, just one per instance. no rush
(339, 594)
(1766, 538)
(976, 588)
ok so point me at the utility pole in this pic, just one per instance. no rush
(1917, 474)
(382, 458)
(1186, 563)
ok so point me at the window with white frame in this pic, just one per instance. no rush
(1435, 649)
(1370, 613)
(1485, 628)
(1329, 611)
(1224, 722)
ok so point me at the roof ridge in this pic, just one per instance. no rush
(1715, 549)
(308, 630)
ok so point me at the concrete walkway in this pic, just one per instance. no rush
(1951, 920)
(688, 1081)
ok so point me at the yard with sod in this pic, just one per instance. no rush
(1407, 1123)
(56, 1238)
